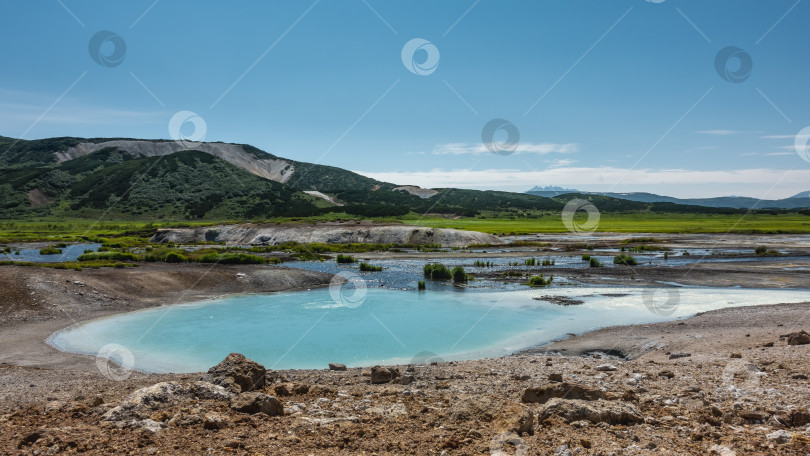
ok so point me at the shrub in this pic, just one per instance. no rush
(232, 258)
(548, 262)
(539, 281)
(530, 262)
(594, 263)
(626, 260)
(459, 275)
(370, 267)
(764, 251)
(586, 257)
(345, 259)
(437, 271)
(421, 285)
(173, 257)
(107, 256)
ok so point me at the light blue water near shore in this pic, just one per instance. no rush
(309, 329)
(69, 253)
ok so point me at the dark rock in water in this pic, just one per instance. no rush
(560, 300)
(237, 373)
(679, 355)
(337, 367)
(798, 338)
(543, 394)
(381, 374)
(255, 402)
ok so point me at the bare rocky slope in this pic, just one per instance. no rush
(273, 169)
(250, 234)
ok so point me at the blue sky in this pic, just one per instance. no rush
(606, 95)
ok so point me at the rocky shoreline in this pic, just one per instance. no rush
(727, 382)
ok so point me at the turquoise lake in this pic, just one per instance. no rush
(309, 329)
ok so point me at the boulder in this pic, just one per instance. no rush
(606, 368)
(798, 338)
(542, 394)
(214, 421)
(337, 367)
(515, 418)
(143, 402)
(556, 378)
(600, 411)
(255, 402)
(381, 374)
(780, 437)
(237, 374)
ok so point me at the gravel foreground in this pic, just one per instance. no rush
(732, 381)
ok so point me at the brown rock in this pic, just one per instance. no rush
(736, 356)
(555, 378)
(542, 394)
(798, 338)
(599, 411)
(255, 402)
(381, 374)
(337, 367)
(215, 421)
(237, 373)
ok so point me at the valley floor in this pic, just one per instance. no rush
(723, 382)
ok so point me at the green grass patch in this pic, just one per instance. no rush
(365, 267)
(594, 263)
(539, 281)
(107, 256)
(437, 271)
(626, 260)
(346, 259)
(50, 250)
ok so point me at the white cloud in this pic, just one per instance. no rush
(782, 153)
(560, 163)
(522, 148)
(778, 137)
(758, 182)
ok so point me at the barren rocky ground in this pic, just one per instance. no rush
(726, 382)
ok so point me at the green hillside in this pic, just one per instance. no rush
(197, 185)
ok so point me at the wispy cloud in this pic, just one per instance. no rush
(778, 137)
(560, 162)
(523, 148)
(781, 153)
(720, 132)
